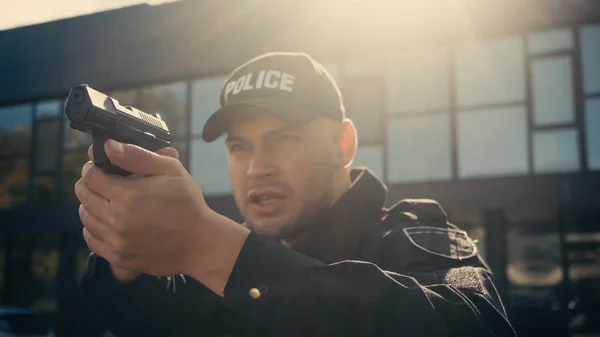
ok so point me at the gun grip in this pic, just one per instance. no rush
(102, 161)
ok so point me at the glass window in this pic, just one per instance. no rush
(15, 128)
(492, 142)
(71, 172)
(13, 181)
(555, 151)
(44, 190)
(19, 268)
(370, 156)
(419, 148)
(590, 58)
(592, 132)
(362, 65)
(2, 267)
(167, 100)
(44, 268)
(126, 97)
(48, 109)
(208, 167)
(205, 100)
(82, 261)
(550, 41)
(490, 72)
(553, 91)
(363, 102)
(534, 259)
(46, 144)
(75, 139)
(417, 81)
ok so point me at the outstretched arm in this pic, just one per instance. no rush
(300, 296)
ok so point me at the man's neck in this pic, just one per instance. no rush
(341, 184)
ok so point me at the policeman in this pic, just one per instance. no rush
(318, 253)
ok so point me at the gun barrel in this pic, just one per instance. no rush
(76, 97)
(89, 109)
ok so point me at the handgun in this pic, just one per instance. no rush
(103, 117)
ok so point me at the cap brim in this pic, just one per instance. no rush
(218, 123)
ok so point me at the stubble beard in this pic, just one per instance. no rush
(319, 196)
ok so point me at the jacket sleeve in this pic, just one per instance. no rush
(144, 307)
(300, 296)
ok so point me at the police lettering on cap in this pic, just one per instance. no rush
(291, 86)
(269, 79)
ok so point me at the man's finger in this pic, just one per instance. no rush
(140, 161)
(86, 167)
(93, 225)
(109, 187)
(91, 152)
(169, 152)
(103, 248)
(98, 246)
(93, 203)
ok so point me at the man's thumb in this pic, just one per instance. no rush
(138, 160)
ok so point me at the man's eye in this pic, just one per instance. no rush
(287, 137)
(236, 147)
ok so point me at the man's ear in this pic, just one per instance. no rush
(347, 143)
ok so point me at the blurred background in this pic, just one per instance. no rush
(492, 107)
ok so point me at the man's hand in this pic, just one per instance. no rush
(125, 275)
(155, 221)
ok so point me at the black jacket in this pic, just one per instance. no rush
(367, 271)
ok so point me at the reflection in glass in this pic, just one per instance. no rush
(534, 258)
(205, 100)
(48, 109)
(490, 72)
(44, 264)
(19, 268)
(363, 99)
(370, 156)
(13, 181)
(552, 80)
(71, 172)
(15, 128)
(584, 254)
(555, 150)
(417, 81)
(46, 144)
(2, 266)
(550, 41)
(82, 261)
(492, 142)
(44, 190)
(590, 58)
(167, 100)
(419, 148)
(592, 132)
(208, 167)
(125, 97)
(74, 139)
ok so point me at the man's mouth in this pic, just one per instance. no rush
(266, 201)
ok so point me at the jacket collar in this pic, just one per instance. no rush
(337, 233)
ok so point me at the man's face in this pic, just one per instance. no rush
(282, 174)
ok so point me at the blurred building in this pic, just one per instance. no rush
(490, 107)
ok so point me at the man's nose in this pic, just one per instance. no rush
(261, 165)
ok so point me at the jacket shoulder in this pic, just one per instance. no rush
(417, 237)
